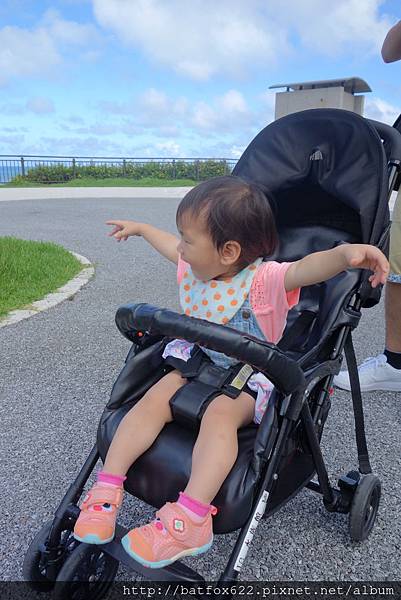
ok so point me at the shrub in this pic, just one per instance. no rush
(174, 169)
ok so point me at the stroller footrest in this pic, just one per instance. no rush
(177, 571)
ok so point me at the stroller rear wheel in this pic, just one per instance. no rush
(87, 574)
(35, 567)
(364, 507)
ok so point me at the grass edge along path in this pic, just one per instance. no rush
(29, 270)
(108, 182)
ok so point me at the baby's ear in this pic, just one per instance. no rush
(231, 251)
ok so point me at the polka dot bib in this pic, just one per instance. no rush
(216, 300)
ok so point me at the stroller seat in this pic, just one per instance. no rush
(169, 461)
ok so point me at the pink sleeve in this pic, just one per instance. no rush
(274, 289)
(181, 268)
(270, 300)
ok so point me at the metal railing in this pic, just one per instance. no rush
(105, 167)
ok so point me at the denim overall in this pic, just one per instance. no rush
(243, 320)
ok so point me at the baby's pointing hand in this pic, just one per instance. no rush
(123, 229)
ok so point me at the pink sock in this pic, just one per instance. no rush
(197, 508)
(110, 479)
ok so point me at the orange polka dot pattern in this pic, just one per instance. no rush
(216, 300)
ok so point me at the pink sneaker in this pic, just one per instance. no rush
(172, 535)
(97, 520)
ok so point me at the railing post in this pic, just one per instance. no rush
(174, 170)
(74, 171)
(22, 166)
(197, 170)
(124, 168)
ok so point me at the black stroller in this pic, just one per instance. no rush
(330, 173)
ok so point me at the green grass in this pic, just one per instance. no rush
(110, 182)
(30, 270)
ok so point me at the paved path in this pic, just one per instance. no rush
(40, 193)
(56, 372)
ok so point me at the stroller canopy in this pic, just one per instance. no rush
(323, 167)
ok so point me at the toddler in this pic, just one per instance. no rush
(226, 228)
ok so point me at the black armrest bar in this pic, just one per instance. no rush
(282, 371)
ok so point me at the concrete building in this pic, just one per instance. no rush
(331, 93)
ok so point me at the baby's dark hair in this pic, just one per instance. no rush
(233, 209)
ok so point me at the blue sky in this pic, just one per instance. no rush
(183, 78)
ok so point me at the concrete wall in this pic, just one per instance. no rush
(332, 97)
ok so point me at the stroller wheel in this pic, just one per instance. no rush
(364, 507)
(87, 574)
(34, 569)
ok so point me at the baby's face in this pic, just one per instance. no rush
(196, 248)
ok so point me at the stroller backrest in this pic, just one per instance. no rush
(325, 171)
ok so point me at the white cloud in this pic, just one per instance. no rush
(40, 105)
(234, 102)
(36, 104)
(229, 112)
(26, 53)
(203, 38)
(11, 109)
(155, 111)
(236, 151)
(74, 146)
(14, 129)
(159, 115)
(342, 27)
(94, 129)
(68, 32)
(169, 148)
(75, 119)
(204, 116)
(37, 52)
(199, 38)
(155, 106)
(380, 110)
(11, 143)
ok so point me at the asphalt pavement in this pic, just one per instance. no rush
(56, 372)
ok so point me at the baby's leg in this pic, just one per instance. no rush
(216, 448)
(142, 424)
(136, 432)
(185, 528)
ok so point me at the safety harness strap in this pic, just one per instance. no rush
(205, 381)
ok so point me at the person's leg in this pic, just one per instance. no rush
(184, 528)
(383, 372)
(135, 434)
(393, 316)
(393, 287)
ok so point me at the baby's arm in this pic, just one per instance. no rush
(321, 266)
(164, 242)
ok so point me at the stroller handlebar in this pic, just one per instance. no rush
(283, 371)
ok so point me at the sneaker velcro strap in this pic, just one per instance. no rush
(103, 495)
(177, 522)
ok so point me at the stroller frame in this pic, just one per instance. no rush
(358, 492)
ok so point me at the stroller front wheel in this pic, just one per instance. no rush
(88, 574)
(35, 566)
(364, 507)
